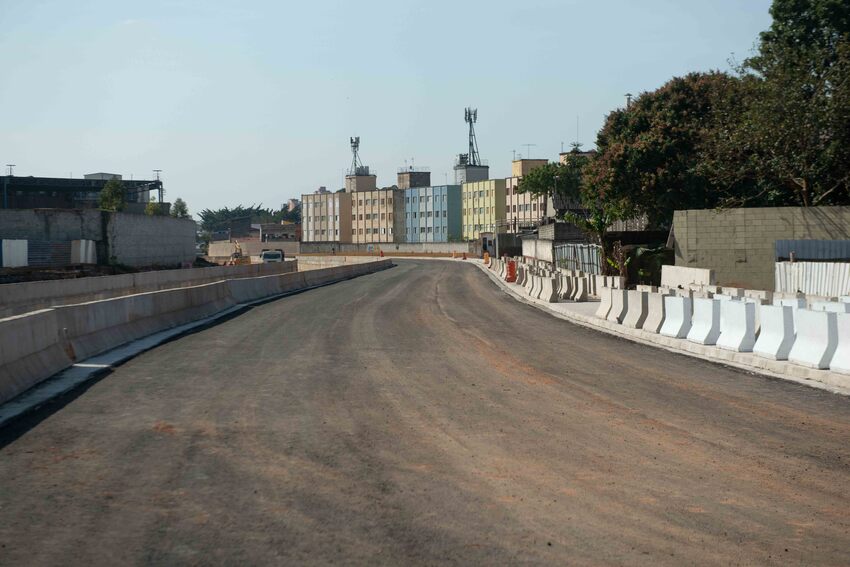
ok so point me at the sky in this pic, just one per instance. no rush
(253, 102)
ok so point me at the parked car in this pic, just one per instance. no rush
(269, 256)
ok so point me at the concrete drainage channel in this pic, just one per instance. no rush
(104, 358)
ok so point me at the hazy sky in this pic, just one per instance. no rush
(254, 102)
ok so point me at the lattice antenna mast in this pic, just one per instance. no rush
(470, 115)
(356, 164)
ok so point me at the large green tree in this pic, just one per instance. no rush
(649, 154)
(785, 135)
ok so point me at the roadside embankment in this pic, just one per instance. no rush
(36, 345)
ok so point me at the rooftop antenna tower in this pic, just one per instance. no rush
(160, 192)
(470, 116)
(357, 167)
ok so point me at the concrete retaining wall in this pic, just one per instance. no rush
(36, 345)
(401, 248)
(22, 297)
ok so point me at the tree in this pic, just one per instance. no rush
(153, 208)
(563, 180)
(649, 154)
(787, 137)
(179, 209)
(112, 196)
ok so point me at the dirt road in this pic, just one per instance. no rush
(420, 415)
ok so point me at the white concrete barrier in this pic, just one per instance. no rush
(605, 303)
(675, 276)
(566, 288)
(638, 309)
(520, 275)
(536, 286)
(646, 288)
(777, 333)
(833, 306)
(817, 338)
(547, 292)
(677, 316)
(580, 289)
(619, 305)
(599, 282)
(617, 282)
(735, 292)
(737, 326)
(654, 312)
(841, 359)
(765, 296)
(705, 322)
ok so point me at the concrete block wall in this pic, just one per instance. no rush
(141, 240)
(133, 240)
(739, 244)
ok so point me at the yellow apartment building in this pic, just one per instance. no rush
(482, 206)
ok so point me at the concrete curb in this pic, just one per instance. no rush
(103, 363)
(749, 362)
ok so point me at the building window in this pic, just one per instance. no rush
(390, 201)
(383, 216)
(444, 213)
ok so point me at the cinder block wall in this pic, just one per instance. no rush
(739, 244)
(50, 224)
(140, 240)
(134, 240)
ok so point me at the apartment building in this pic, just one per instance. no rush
(482, 205)
(326, 217)
(377, 216)
(432, 214)
(522, 210)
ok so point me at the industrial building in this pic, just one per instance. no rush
(433, 214)
(73, 193)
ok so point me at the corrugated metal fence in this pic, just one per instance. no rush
(831, 279)
(584, 257)
(821, 250)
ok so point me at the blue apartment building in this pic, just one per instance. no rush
(433, 214)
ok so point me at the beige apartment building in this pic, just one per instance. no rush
(523, 210)
(326, 217)
(377, 217)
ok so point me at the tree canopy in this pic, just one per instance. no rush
(179, 209)
(216, 219)
(112, 196)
